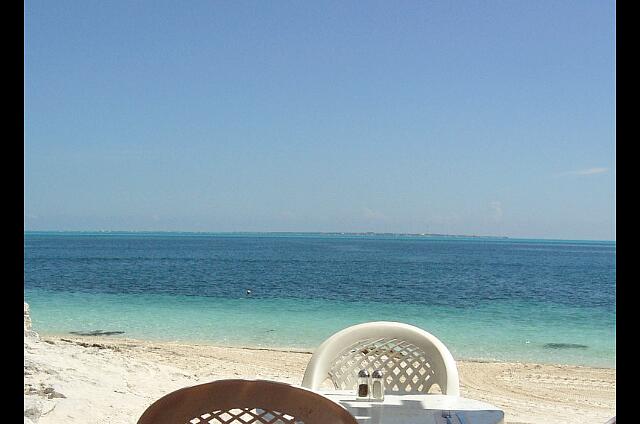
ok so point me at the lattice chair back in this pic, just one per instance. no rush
(413, 360)
(245, 402)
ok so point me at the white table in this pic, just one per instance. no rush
(417, 409)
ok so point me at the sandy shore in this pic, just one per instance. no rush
(112, 380)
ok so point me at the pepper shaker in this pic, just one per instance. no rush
(377, 385)
(363, 384)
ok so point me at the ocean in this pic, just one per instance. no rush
(543, 301)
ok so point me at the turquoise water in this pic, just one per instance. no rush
(489, 299)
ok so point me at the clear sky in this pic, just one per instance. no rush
(461, 117)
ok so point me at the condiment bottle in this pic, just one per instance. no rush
(377, 385)
(363, 384)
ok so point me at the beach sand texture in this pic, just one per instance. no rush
(113, 380)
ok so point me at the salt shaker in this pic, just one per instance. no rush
(363, 384)
(377, 385)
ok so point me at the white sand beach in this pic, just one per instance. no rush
(94, 380)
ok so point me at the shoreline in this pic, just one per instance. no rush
(286, 349)
(88, 379)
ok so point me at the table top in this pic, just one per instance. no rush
(417, 409)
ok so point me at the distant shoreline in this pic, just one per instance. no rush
(303, 233)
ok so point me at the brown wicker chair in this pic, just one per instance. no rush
(244, 402)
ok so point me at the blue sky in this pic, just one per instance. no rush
(470, 117)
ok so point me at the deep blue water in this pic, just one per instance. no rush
(484, 298)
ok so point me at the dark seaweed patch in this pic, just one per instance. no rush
(564, 346)
(96, 333)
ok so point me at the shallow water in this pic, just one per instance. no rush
(494, 299)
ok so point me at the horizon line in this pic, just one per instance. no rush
(315, 232)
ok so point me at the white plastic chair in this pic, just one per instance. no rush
(412, 359)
